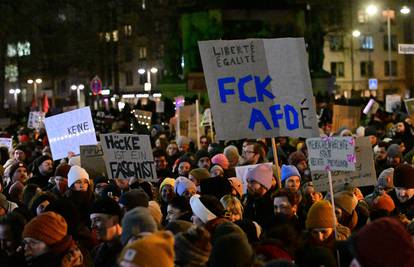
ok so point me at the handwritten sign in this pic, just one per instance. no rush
(128, 156)
(6, 142)
(242, 171)
(259, 88)
(347, 116)
(392, 103)
(331, 153)
(363, 175)
(69, 130)
(92, 160)
(36, 120)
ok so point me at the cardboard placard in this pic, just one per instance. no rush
(6, 142)
(36, 120)
(409, 106)
(392, 103)
(143, 117)
(259, 88)
(241, 173)
(188, 121)
(364, 174)
(69, 130)
(92, 160)
(345, 116)
(128, 156)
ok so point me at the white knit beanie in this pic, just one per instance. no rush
(200, 210)
(76, 173)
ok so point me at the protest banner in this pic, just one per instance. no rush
(6, 142)
(69, 130)
(364, 174)
(241, 173)
(392, 103)
(409, 106)
(92, 160)
(128, 156)
(345, 116)
(259, 88)
(36, 120)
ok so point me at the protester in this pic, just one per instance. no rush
(42, 169)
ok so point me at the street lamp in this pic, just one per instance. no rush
(371, 10)
(77, 88)
(142, 71)
(405, 10)
(356, 33)
(35, 83)
(15, 93)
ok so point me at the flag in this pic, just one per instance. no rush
(45, 103)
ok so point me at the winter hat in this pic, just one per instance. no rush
(394, 150)
(155, 210)
(136, 221)
(167, 181)
(155, 250)
(232, 154)
(237, 185)
(200, 174)
(201, 154)
(182, 184)
(216, 166)
(76, 173)
(296, 157)
(289, 171)
(404, 176)
(221, 160)
(183, 140)
(100, 180)
(48, 227)
(75, 161)
(227, 247)
(389, 244)
(62, 170)
(226, 228)
(251, 228)
(385, 179)
(178, 226)
(146, 186)
(192, 247)
(200, 210)
(383, 202)
(111, 190)
(320, 215)
(370, 130)
(106, 205)
(134, 198)
(14, 167)
(346, 201)
(263, 174)
(15, 190)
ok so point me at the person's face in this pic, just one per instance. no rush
(104, 226)
(158, 143)
(160, 163)
(254, 188)
(302, 166)
(381, 154)
(183, 148)
(81, 185)
(204, 163)
(46, 167)
(184, 168)
(204, 143)
(216, 172)
(62, 183)
(20, 175)
(399, 127)
(394, 161)
(19, 155)
(173, 214)
(233, 214)
(167, 193)
(193, 179)
(99, 187)
(282, 205)
(249, 156)
(42, 206)
(293, 183)
(404, 194)
(172, 149)
(33, 248)
(373, 139)
(7, 242)
(321, 234)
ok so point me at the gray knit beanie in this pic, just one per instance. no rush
(135, 221)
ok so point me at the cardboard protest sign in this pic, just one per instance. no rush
(128, 156)
(36, 120)
(92, 160)
(345, 116)
(259, 88)
(6, 142)
(409, 106)
(331, 153)
(392, 103)
(188, 121)
(363, 175)
(69, 130)
(241, 173)
(143, 117)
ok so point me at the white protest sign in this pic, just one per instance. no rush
(69, 130)
(36, 120)
(6, 142)
(242, 171)
(409, 106)
(259, 88)
(392, 103)
(331, 153)
(363, 175)
(128, 156)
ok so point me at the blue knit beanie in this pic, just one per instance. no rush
(288, 171)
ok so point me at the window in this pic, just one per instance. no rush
(367, 42)
(337, 69)
(336, 42)
(142, 52)
(393, 42)
(129, 79)
(128, 30)
(393, 68)
(362, 16)
(336, 16)
(367, 68)
(115, 36)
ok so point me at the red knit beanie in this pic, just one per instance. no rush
(48, 227)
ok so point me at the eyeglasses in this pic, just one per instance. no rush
(248, 152)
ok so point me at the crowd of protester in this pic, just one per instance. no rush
(54, 213)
